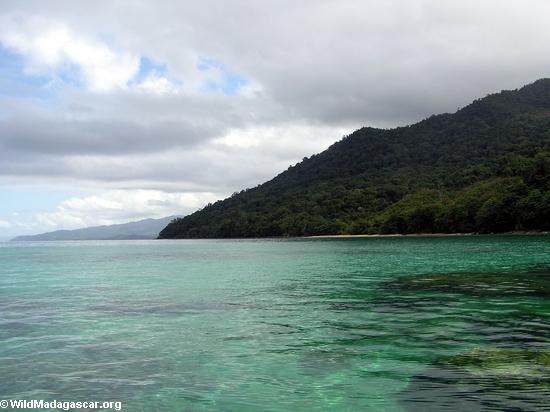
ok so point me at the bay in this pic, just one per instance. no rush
(381, 324)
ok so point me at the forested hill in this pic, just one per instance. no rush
(485, 168)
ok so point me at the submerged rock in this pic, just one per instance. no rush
(483, 379)
(529, 367)
(531, 283)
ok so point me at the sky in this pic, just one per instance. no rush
(113, 111)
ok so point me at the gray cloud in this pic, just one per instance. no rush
(317, 70)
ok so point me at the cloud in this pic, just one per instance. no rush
(48, 46)
(157, 84)
(121, 206)
(239, 158)
(5, 225)
(210, 97)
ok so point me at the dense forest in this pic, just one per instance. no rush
(484, 169)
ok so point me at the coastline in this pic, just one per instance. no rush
(513, 233)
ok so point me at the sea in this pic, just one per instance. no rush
(457, 323)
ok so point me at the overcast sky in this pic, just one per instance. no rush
(112, 111)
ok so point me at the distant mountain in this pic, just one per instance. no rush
(143, 229)
(485, 168)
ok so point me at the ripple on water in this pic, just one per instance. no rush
(159, 308)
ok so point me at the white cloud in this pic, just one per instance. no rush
(157, 84)
(293, 139)
(119, 206)
(56, 49)
(51, 45)
(4, 224)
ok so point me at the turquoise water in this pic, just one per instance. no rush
(378, 324)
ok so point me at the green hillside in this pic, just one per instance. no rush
(485, 168)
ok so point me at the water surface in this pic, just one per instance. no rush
(381, 324)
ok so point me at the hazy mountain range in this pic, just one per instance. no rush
(142, 229)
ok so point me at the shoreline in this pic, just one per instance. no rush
(513, 233)
(341, 236)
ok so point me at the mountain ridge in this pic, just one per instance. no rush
(422, 177)
(142, 229)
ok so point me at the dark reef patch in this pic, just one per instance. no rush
(534, 282)
(483, 379)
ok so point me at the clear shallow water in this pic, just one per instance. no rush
(360, 324)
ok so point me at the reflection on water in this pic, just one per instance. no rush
(373, 324)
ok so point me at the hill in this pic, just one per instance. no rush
(143, 229)
(482, 169)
